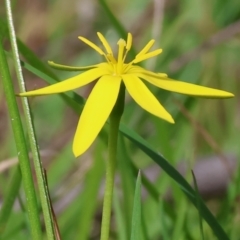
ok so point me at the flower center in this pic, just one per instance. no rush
(118, 65)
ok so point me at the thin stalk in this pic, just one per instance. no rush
(32, 206)
(110, 173)
(42, 185)
(111, 163)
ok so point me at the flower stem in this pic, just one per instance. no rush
(111, 163)
(32, 206)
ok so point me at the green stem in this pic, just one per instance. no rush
(111, 163)
(110, 172)
(32, 206)
(45, 200)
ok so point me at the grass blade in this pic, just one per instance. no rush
(46, 205)
(21, 147)
(198, 197)
(89, 195)
(127, 182)
(136, 215)
(174, 174)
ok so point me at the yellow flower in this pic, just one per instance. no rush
(110, 74)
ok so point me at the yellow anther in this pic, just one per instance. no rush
(146, 48)
(121, 42)
(105, 43)
(92, 45)
(129, 41)
(121, 45)
(140, 58)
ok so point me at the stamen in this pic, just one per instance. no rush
(111, 58)
(121, 45)
(147, 55)
(129, 41)
(128, 46)
(146, 48)
(92, 45)
(105, 43)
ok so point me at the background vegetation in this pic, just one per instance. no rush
(201, 44)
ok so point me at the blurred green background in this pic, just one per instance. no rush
(201, 44)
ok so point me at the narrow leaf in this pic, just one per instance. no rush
(198, 197)
(136, 216)
(174, 174)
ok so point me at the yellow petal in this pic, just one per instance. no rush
(96, 112)
(141, 94)
(69, 84)
(186, 88)
(139, 70)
